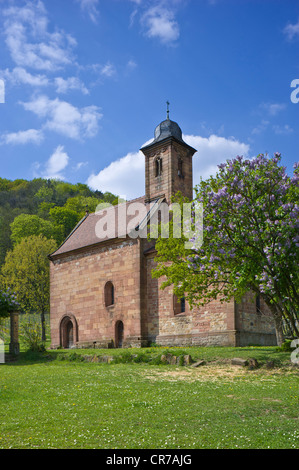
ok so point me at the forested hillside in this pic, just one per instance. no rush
(43, 207)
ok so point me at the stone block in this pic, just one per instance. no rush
(187, 359)
(252, 364)
(237, 361)
(198, 364)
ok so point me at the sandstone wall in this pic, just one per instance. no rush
(77, 289)
(213, 324)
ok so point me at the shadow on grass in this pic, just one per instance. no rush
(29, 357)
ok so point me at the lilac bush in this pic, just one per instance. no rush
(8, 302)
(251, 240)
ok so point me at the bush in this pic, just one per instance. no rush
(8, 303)
(141, 357)
(31, 334)
(286, 346)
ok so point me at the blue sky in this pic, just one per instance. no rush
(86, 82)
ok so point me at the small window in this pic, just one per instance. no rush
(179, 305)
(109, 294)
(158, 166)
(258, 304)
(180, 168)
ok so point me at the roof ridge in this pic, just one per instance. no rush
(116, 205)
(71, 233)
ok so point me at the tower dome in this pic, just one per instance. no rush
(166, 129)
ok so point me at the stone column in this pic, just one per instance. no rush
(14, 346)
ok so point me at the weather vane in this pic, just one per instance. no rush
(167, 102)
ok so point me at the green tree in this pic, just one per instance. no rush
(250, 241)
(64, 218)
(25, 225)
(80, 204)
(26, 273)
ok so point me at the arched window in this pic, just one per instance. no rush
(158, 166)
(258, 304)
(119, 334)
(109, 294)
(180, 168)
(179, 305)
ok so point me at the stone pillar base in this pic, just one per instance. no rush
(14, 348)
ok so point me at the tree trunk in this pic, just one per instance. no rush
(42, 317)
(278, 329)
(277, 317)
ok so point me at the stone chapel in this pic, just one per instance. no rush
(102, 293)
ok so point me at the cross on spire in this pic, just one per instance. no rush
(167, 102)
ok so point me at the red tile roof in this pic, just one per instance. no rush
(107, 224)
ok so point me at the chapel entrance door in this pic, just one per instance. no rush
(119, 334)
(69, 334)
(68, 331)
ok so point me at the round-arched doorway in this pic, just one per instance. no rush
(119, 334)
(68, 331)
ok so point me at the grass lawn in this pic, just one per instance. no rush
(46, 402)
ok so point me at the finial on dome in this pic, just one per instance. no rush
(167, 102)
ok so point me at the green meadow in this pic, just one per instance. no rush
(59, 400)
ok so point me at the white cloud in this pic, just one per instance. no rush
(80, 165)
(283, 130)
(29, 42)
(57, 162)
(131, 65)
(20, 76)
(64, 118)
(71, 83)
(23, 137)
(260, 127)
(273, 108)
(90, 6)
(108, 70)
(292, 30)
(125, 177)
(211, 152)
(159, 23)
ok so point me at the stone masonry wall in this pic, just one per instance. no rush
(254, 327)
(212, 324)
(169, 182)
(77, 288)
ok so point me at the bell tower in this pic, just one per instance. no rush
(168, 163)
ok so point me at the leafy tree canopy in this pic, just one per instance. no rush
(33, 200)
(26, 273)
(250, 239)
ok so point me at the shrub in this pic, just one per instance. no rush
(141, 357)
(286, 346)
(31, 334)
